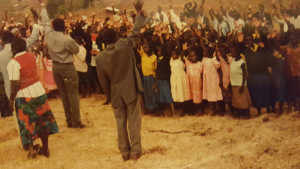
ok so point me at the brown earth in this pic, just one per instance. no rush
(203, 142)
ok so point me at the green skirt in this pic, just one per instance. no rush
(34, 117)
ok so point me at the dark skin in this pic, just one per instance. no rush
(238, 57)
(193, 57)
(15, 86)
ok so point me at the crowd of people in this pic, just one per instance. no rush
(196, 62)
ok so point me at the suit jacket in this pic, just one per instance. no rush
(117, 71)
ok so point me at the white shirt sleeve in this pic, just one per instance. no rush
(13, 69)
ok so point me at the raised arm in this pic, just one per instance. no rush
(45, 20)
(35, 32)
(139, 22)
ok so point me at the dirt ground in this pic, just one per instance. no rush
(190, 142)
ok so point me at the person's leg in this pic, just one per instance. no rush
(222, 107)
(72, 86)
(258, 111)
(172, 109)
(214, 108)
(45, 149)
(134, 125)
(281, 107)
(123, 140)
(4, 106)
(60, 83)
(82, 86)
(231, 108)
(31, 152)
(96, 81)
(4, 102)
(269, 109)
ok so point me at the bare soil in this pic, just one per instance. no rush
(189, 142)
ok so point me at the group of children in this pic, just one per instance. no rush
(190, 64)
(171, 77)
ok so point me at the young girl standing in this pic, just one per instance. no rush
(225, 78)
(163, 73)
(194, 70)
(241, 99)
(50, 85)
(211, 81)
(178, 78)
(149, 64)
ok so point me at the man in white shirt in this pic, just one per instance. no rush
(162, 16)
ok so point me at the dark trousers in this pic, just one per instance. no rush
(132, 114)
(4, 103)
(66, 80)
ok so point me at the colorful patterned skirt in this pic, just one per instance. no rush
(34, 117)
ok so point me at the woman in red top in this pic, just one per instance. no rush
(33, 112)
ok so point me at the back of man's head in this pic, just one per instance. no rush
(7, 37)
(18, 45)
(109, 36)
(59, 25)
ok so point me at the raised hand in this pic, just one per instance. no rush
(139, 5)
(34, 14)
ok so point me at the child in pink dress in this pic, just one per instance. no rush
(194, 81)
(225, 61)
(49, 80)
(194, 70)
(211, 81)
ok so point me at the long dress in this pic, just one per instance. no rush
(178, 80)
(40, 68)
(226, 90)
(194, 82)
(49, 80)
(211, 81)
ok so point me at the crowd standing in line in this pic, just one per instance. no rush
(193, 63)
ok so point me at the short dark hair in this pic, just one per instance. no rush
(7, 37)
(59, 25)
(79, 40)
(109, 36)
(18, 45)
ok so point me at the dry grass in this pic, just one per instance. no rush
(205, 142)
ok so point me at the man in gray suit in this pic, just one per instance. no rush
(120, 80)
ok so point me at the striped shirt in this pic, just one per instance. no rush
(31, 91)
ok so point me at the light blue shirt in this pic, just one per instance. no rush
(6, 55)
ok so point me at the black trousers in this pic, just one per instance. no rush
(4, 102)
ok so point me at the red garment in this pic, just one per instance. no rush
(94, 36)
(194, 81)
(28, 71)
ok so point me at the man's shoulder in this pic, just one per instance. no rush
(101, 57)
